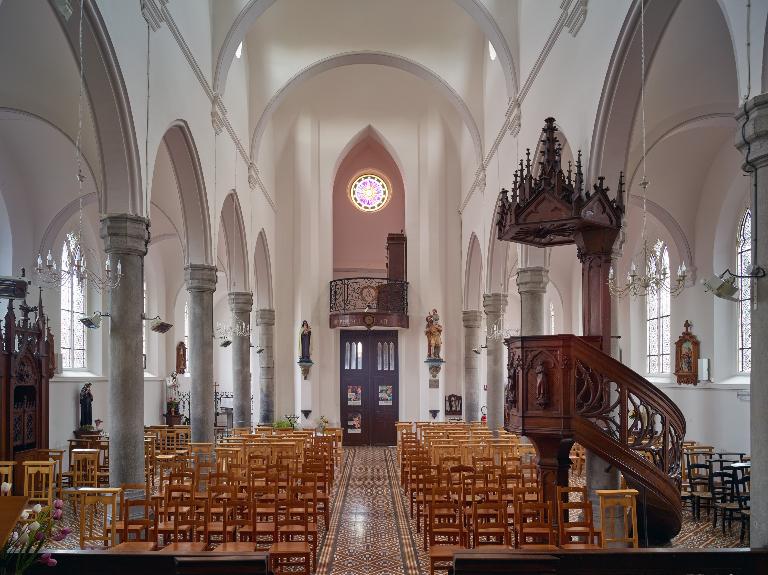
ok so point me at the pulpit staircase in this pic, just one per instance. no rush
(563, 388)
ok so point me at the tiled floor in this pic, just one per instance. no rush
(371, 533)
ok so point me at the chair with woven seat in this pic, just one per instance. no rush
(292, 549)
(490, 525)
(446, 534)
(534, 525)
(576, 528)
(741, 487)
(722, 489)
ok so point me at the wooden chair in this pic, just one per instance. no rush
(624, 516)
(218, 514)
(291, 549)
(576, 529)
(489, 523)
(97, 505)
(6, 474)
(534, 525)
(132, 497)
(57, 456)
(446, 533)
(39, 482)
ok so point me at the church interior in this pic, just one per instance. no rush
(383, 286)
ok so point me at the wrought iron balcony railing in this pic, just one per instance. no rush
(361, 295)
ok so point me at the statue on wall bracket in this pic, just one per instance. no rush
(305, 349)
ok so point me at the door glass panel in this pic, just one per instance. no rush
(359, 355)
(346, 355)
(391, 356)
(378, 347)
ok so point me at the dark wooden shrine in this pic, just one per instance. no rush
(26, 365)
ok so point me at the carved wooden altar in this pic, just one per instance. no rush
(26, 365)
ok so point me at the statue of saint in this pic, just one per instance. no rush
(181, 357)
(434, 335)
(305, 342)
(86, 399)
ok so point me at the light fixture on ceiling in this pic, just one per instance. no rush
(93, 321)
(721, 286)
(73, 266)
(648, 273)
(156, 324)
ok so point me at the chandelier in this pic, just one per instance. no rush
(74, 263)
(498, 333)
(649, 271)
(226, 332)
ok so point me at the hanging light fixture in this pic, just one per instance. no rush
(226, 332)
(649, 271)
(74, 265)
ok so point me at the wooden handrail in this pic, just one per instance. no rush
(564, 388)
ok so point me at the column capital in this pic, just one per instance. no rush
(755, 131)
(532, 280)
(125, 234)
(494, 303)
(471, 317)
(265, 317)
(200, 277)
(240, 301)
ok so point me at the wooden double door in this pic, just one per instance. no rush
(369, 387)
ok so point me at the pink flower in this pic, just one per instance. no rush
(47, 560)
(57, 514)
(58, 504)
(39, 536)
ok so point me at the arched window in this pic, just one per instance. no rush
(743, 268)
(551, 318)
(144, 328)
(657, 317)
(186, 338)
(73, 294)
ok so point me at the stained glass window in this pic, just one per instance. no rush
(73, 337)
(369, 193)
(186, 338)
(144, 327)
(657, 318)
(744, 267)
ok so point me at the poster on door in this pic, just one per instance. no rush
(385, 394)
(354, 422)
(354, 395)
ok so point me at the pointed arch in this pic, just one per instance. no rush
(262, 266)
(371, 132)
(235, 244)
(121, 189)
(369, 57)
(473, 275)
(253, 9)
(190, 185)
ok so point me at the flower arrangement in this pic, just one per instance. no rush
(23, 546)
(323, 423)
(282, 424)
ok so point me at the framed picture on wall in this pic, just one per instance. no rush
(385, 394)
(687, 357)
(355, 422)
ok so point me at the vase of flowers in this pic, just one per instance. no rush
(323, 423)
(172, 414)
(36, 528)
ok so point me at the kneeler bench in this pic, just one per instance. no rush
(657, 561)
(100, 562)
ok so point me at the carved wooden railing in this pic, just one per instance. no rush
(565, 387)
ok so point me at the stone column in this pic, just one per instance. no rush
(756, 153)
(494, 305)
(201, 283)
(265, 320)
(532, 285)
(125, 240)
(241, 304)
(472, 320)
